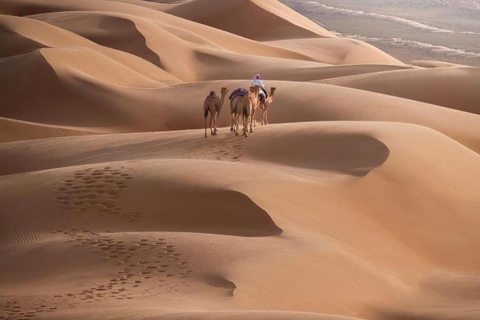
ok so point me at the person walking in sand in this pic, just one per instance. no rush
(257, 82)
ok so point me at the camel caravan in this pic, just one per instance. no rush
(243, 107)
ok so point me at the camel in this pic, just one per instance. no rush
(242, 107)
(264, 106)
(213, 104)
(255, 101)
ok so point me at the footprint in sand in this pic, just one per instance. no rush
(139, 267)
(96, 192)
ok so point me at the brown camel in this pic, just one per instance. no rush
(213, 104)
(233, 107)
(265, 104)
(254, 93)
(254, 111)
(242, 107)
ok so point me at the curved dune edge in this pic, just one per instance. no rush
(346, 152)
(109, 30)
(338, 51)
(263, 20)
(14, 130)
(435, 64)
(329, 241)
(44, 35)
(179, 106)
(224, 39)
(59, 84)
(91, 194)
(453, 87)
(155, 28)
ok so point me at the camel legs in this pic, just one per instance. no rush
(232, 127)
(236, 120)
(206, 126)
(264, 117)
(211, 129)
(252, 120)
(245, 125)
(215, 121)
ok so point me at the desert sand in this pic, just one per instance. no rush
(360, 199)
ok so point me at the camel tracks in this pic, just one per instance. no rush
(142, 263)
(95, 191)
(224, 148)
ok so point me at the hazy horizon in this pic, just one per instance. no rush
(409, 30)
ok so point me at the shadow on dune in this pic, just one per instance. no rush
(47, 94)
(107, 30)
(204, 210)
(409, 316)
(217, 281)
(16, 44)
(356, 155)
(349, 153)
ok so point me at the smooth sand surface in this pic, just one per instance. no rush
(452, 87)
(360, 199)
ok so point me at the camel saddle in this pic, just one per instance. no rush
(238, 93)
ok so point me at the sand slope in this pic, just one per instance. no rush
(13, 130)
(338, 236)
(338, 51)
(455, 88)
(48, 36)
(253, 19)
(224, 39)
(360, 200)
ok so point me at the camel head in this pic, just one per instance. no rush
(271, 95)
(224, 91)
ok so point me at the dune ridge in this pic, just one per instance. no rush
(452, 87)
(384, 181)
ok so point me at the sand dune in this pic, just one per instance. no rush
(224, 39)
(390, 269)
(183, 59)
(13, 130)
(47, 36)
(338, 51)
(114, 31)
(449, 87)
(299, 102)
(179, 107)
(360, 200)
(435, 64)
(58, 89)
(259, 20)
